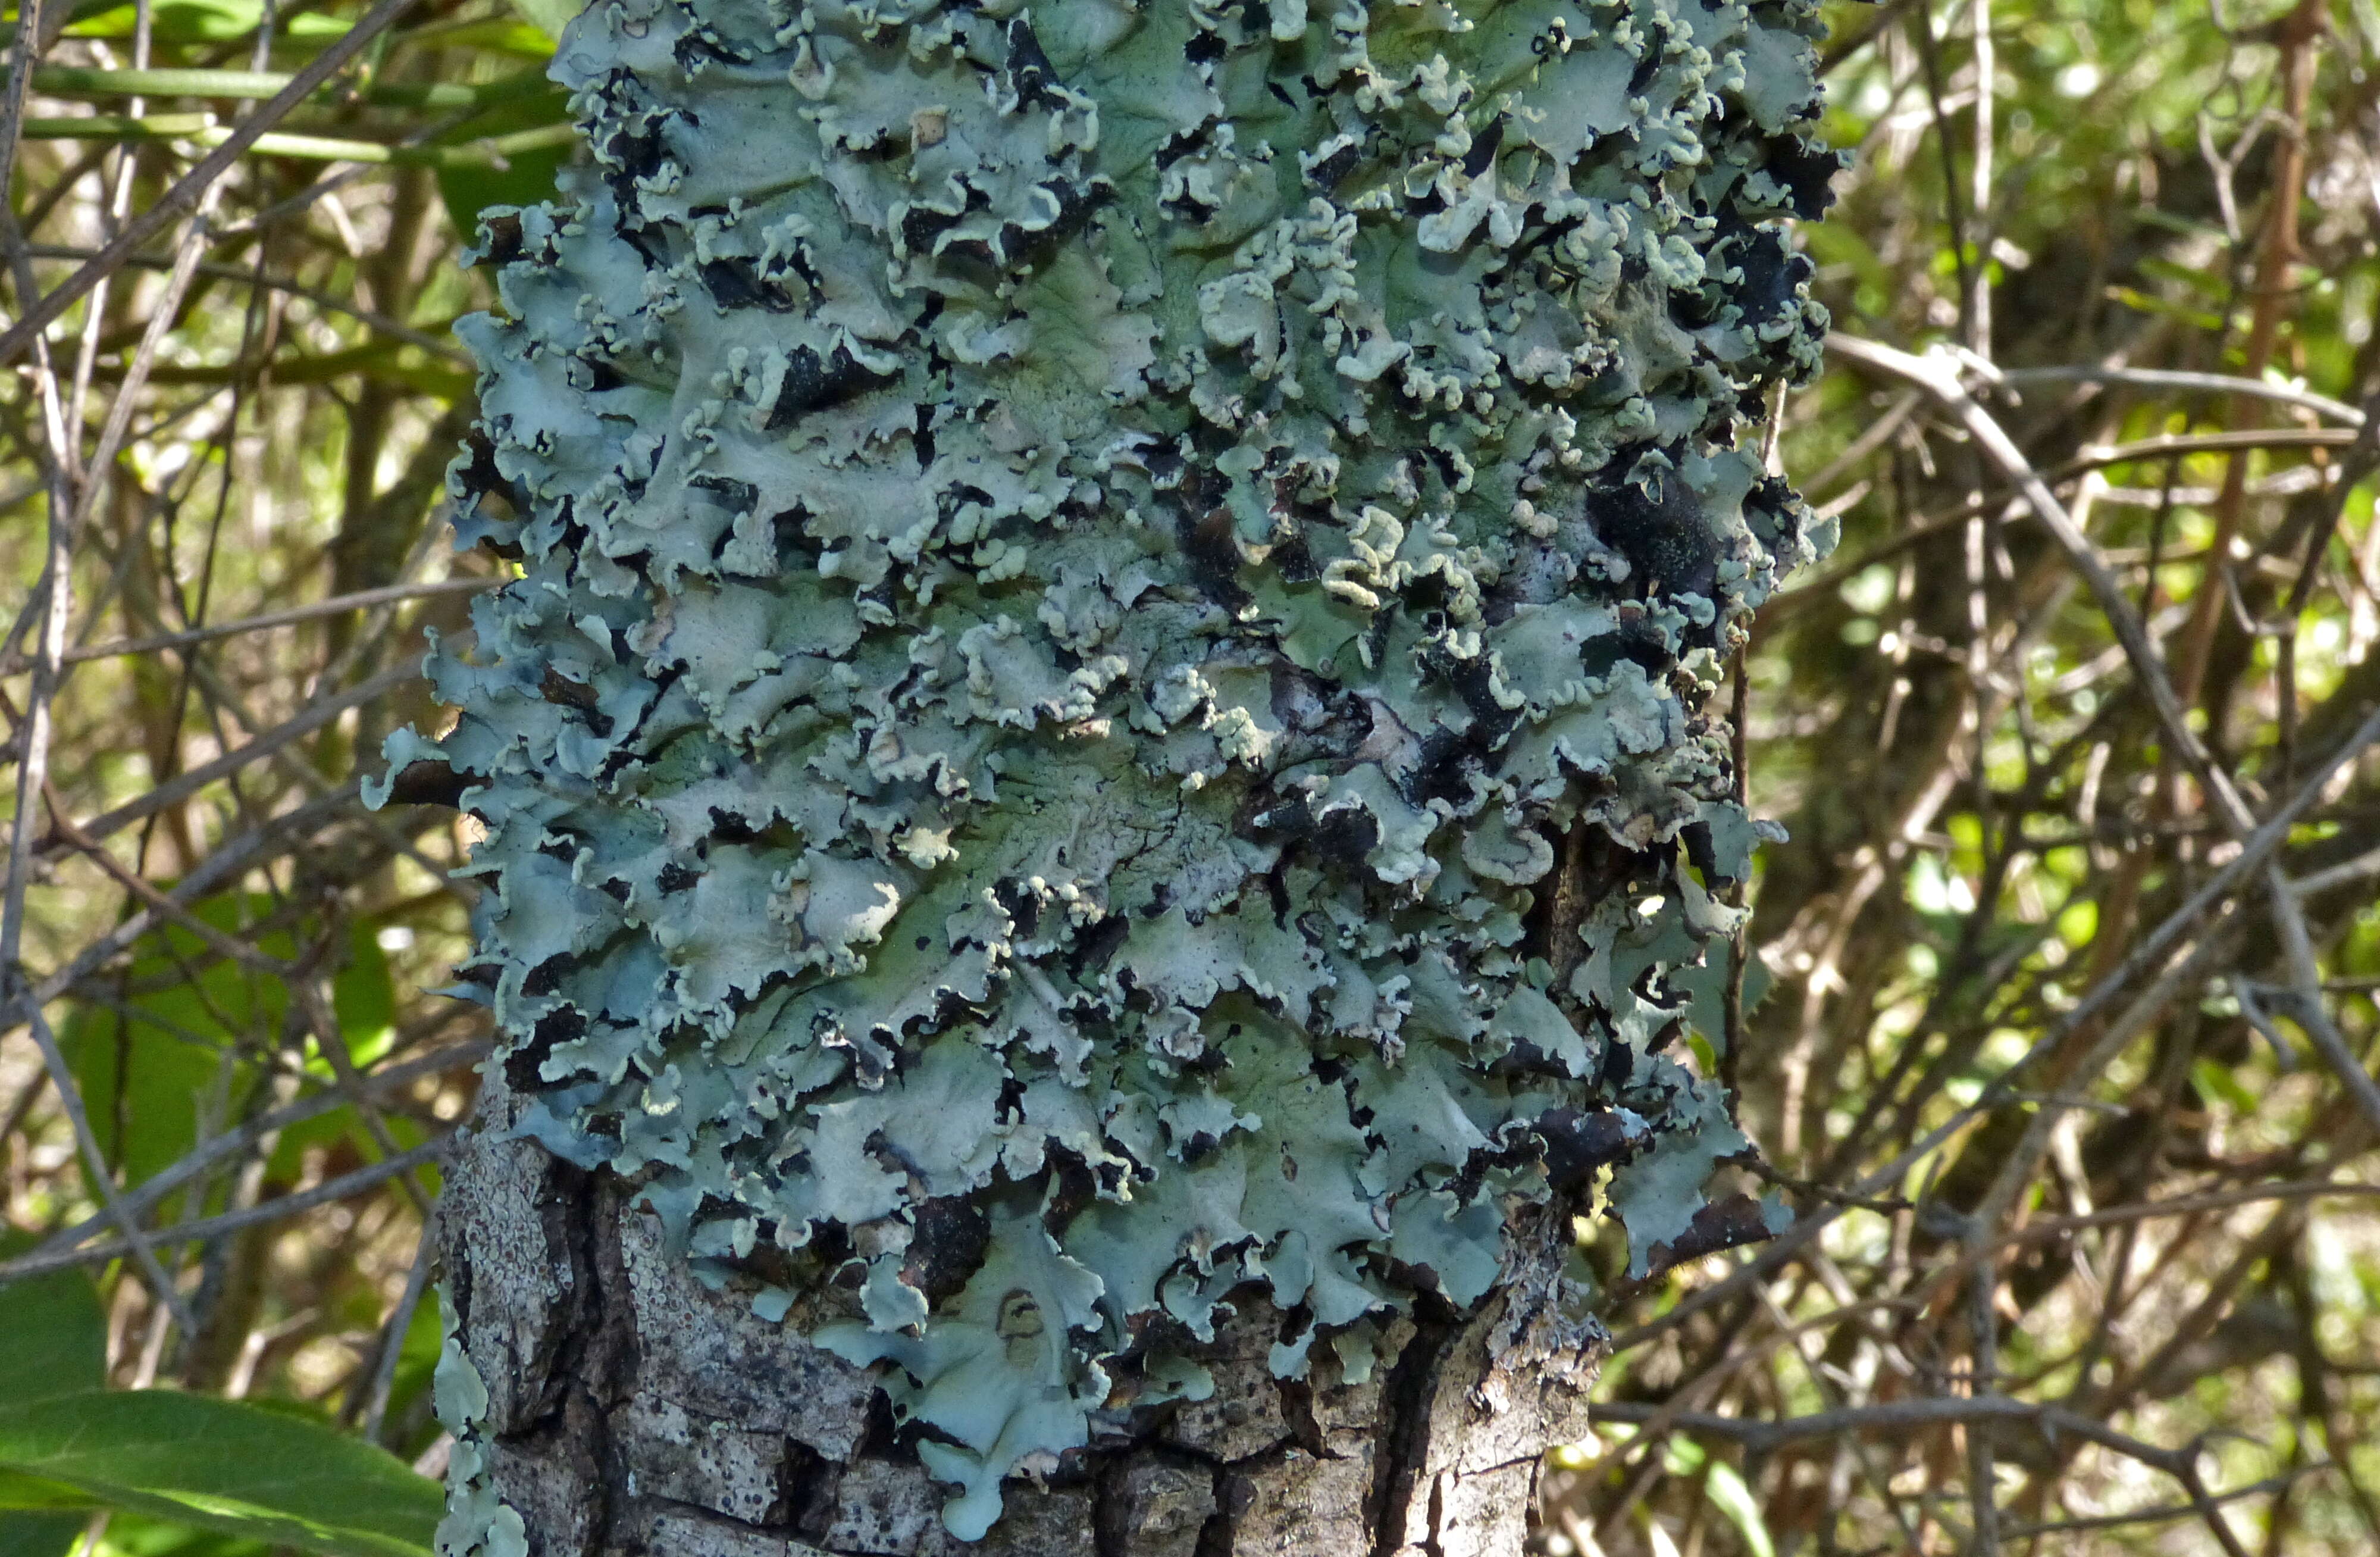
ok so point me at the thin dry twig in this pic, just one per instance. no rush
(152, 1191)
(187, 190)
(279, 1208)
(2169, 378)
(313, 718)
(313, 611)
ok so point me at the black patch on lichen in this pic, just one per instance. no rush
(810, 384)
(1029, 68)
(1656, 522)
(947, 1240)
(1808, 170)
(1577, 1144)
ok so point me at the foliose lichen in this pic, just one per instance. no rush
(1078, 561)
(478, 1524)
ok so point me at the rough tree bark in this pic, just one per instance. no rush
(629, 1408)
(1101, 814)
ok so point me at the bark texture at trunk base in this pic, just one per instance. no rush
(632, 1410)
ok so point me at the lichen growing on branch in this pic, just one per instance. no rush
(1081, 563)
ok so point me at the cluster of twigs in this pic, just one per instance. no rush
(2067, 1069)
(231, 393)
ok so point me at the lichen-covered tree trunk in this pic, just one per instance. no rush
(1101, 817)
(626, 1407)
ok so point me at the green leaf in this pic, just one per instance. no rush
(53, 1342)
(20, 1494)
(146, 1062)
(129, 1535)
(363, 997)
(1726, 1488)
(142, 1078)
(225, 1467)
(40, 1535)
(2217, 1081)
(207, 21)
(52, 1336)
(498, 35)
(527, 178)
(2214, 285)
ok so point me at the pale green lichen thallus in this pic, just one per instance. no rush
(1076, 559)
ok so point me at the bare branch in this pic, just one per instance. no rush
(1938, 377)
(277, 1210)
(380, 323)
(152, 1191)
(2166, 378)
(197, 778)
(337, 605)
(2305, 979)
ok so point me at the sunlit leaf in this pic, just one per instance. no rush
(225, 1467)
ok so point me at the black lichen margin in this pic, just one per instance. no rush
(1075, 557)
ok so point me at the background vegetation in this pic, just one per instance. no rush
(2058, 1020)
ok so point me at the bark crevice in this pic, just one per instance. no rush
(1405, 1432)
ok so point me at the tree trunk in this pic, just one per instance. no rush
(630, 1409)
(1078, 561)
